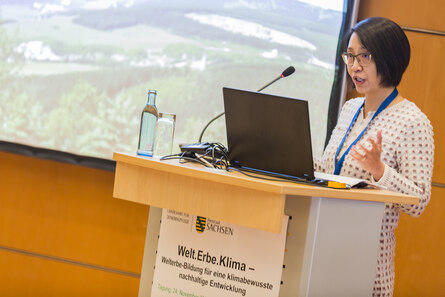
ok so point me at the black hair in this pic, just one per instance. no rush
(388, 45)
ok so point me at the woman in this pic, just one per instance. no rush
(382, 137)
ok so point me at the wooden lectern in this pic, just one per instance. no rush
(333, 235)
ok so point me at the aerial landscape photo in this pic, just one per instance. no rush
(75, 73)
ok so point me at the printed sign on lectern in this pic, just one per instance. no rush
(201, 257)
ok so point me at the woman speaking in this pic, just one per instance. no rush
(382, 137)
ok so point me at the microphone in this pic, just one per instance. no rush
(288, 71)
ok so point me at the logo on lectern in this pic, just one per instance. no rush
(200, 224)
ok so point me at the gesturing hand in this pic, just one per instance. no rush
(370, 159)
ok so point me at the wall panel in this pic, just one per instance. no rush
(425, 14)
(420, 260)
(422, 84)
(22, 275)
(62, 211)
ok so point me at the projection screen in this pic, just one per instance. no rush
(75, 73)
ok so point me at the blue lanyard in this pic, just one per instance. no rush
(339, 164)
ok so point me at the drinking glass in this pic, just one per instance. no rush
(165, 132)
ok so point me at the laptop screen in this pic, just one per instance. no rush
(269, 134)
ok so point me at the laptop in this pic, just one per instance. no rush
(268, 134)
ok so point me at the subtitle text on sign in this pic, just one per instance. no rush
(206, 276)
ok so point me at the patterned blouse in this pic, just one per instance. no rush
(408, 155)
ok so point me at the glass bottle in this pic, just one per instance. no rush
(149, 118)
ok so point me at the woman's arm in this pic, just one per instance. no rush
(415, 157)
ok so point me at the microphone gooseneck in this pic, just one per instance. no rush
(288, 71)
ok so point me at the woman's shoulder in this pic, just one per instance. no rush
(352, 105)
(411, 114)
(354, 102)
(413, 111)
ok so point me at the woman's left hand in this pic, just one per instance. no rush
(370, 159)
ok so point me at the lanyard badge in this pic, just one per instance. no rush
(385, 103)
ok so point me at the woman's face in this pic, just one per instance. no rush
(365, 78)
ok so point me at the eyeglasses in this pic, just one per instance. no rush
(363, 59)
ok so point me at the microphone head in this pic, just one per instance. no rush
(289, 70)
